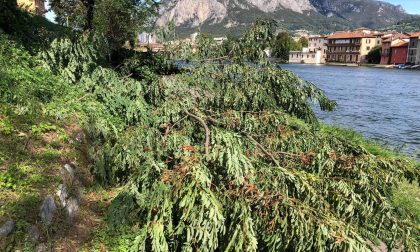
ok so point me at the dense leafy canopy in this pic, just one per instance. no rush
(284, 43)
(228, 155)
(118, 20)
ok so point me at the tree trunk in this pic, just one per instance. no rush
(90, 8)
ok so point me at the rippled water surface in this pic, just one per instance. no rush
(383, 104)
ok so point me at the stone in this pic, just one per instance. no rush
(34, 234)
(71, 209)
(41, 248)
(69, 171)
(47, 210)
(80, 137)
(7, 228)
(62, 194)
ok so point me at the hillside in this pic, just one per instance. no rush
(231, 16)
(408, 25)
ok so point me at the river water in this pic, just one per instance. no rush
(382, 104)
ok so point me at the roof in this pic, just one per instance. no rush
(352, 34)
(317, 36)
(395, 37)
(414, 34)
(401, 44)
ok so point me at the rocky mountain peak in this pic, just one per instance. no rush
(292, 14)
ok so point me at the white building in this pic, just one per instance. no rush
(315, 53)
(147, 38)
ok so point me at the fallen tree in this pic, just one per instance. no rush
(229, 155)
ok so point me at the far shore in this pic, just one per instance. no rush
(351, 65)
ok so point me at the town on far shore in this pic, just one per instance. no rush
(351, 48)
(348, 48)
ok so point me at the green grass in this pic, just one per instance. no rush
(407, 197)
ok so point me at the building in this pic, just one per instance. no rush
(35, 6)
(413, 56)
(351, 46)
(147, 38)
(298, 34)
(399, 53)
(305, 56)
(389, 43)
(313, 54)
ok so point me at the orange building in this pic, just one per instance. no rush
(351, 46)
(35, 6)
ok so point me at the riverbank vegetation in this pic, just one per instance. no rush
(224, 153)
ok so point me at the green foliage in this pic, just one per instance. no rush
(411, 24)
(71, 13)
(32, 31)
(224, 155)
(117, 20)
(284, 43)
(374, 55)
(249, 48)
(72, 59)
(23, 83)
(215, 158)
(167, 33)
(147, 65)
(407, 197)
(303, 42)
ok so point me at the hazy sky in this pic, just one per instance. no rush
(411, 6)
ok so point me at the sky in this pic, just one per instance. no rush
(411, 6)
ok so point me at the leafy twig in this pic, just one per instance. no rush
(203, 123)
(262, 148)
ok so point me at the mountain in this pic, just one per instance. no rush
(367, 13)
(411, 24)
(222, 17)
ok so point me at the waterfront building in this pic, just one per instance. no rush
(413, 56)
(393, 47)
(399, 53)
(313, 54)
(352, 46)
(305, 57)
(35, 6)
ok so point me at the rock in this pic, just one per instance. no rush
(72, 208)
(41, 248)
(7, 228)
(47, 210)
(69, 172)
(34, 234)
(80, 137)
(62, 194)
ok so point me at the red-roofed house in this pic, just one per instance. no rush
(390, 43)
(351, 46)
(399, 53)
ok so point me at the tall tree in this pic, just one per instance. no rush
(70, 13)
(374, 56)
(303, 42)
(282, 45)
(90, 6)
(118, 19)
